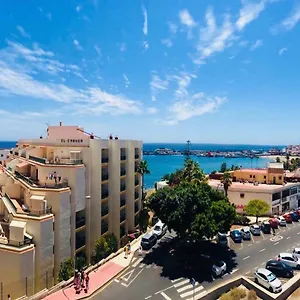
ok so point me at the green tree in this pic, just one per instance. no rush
(192, 172)
(223, 167)
(66, 269)
(226, 180)
(104, 246)
(112, 242)
(143, 219)
(257, 208)
(193, 209)
(143, 169)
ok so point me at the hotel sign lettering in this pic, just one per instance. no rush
(71, 141)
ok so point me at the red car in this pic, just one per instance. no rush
(274, 223)
(288, 218)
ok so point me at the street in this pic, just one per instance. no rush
(158, 275)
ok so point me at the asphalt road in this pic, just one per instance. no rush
(157, 276)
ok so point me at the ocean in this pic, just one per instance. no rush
(160, 165)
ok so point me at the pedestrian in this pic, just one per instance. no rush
(129, 248)
(87, 280)
(273, 229)
(8, 297)
(78, 287)
(82, 278)
(126, 251)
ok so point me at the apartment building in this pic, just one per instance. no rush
(58, 195)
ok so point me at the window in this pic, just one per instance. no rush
(242, 195)
(253, 176)
(279, 177)
(265, 177)
(250, 176)
(80, 218)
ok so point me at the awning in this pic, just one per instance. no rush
(23, 164)
(36, 197)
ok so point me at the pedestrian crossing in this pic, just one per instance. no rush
(187, 291)
(137, 263)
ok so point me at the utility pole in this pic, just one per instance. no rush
(188, 150)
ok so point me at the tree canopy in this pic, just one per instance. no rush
(193, 209)
(257, 208)
(226, 180)
(66, 269)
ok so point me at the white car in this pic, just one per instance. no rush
(255, 229)
(268, 280)
(282, 221)
(296, 252)
(160, 229)
(289, 260)
(219, 268)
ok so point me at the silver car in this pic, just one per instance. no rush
(255, 229)
(268, 280)
(246, 233)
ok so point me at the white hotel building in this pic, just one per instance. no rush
(57, 196)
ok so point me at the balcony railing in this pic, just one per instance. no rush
(136, 195)
(136, 207)
(122, 201)
(122, 188)
(42, 212)
(123, 172)
(123, 157)
(104, 160)
(136, 156)
(104, 177)
(122, 217)
(80, 223)
(104, 211)
(104, 195)
(38, 159)
(18, 244)
(136, 182)
(104, 227)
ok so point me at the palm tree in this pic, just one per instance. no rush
(226, 180)
(192, 171)
(142, 169)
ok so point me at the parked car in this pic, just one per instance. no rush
(296, 252)
(268, 280)
(148, 241)
(219, 268)
(222, 239)
(255, 229)
(236, 236)
(294, 216)
(288, 218)
(274, 223)
(160, 229)
(279, 268)
(246, 234)
(265, 227)
(282, 221)
(289, 260)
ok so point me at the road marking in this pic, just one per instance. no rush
(193, 291)
(199, 296)
(187, 287)
(249, 245)
(127, 275)
(246, 257)
(298, 244)
(141, 265)
(233, 271)
(124, 284)
(176, 280)
(134, 278)
(247, 272)
(262, 250)
(283, 230)
(170, 287)
(181, 283)
(165, 296)
(137, 262)
(148, 267)
(148, 297)
(276, 243)
(288, 237)
(117, 280)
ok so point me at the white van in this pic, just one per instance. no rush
(222, 239)
(160, 229)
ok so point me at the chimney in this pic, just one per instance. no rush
(111, 137)
(116, 138)
(60, 123)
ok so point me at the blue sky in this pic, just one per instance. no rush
(209, 71)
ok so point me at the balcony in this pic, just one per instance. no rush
(136, 156)
(104, 210)
(136, 195)
(122, 201)
(104, 160)
(38, 159)
(39, 213)
(122, 188)
(122, 217)
(123, 157)
(136, 207)
(80, 223)
(104, 194)
(136, 182)
(123, 172)
(104, 177)
(104, 226)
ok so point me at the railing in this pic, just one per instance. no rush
(122, 188)
(39, 213)
(21, 176)
(123, 157)
(38, 159)
(18, 244)
(136, 182)
(136, 195)
(123, 172)
(80, 223)
(104, 227)
(104, 160)
(104, 195)
(122, 201)
(136, 208)
(136, 156)
(104, 177)
(104, 211)
(122, 217)
(11, 203)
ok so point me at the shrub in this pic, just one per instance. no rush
(225, 296)
(234, 294)
(241, 220)
(252, 295)
(66, 269)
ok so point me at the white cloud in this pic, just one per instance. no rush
(145, 45)
(23, 32)
(156, 85)
(49, 16)
(291, 21)
(77, 45)
(172, 27)
(186, 19)
(256, 44)
(282, 51)
(127, 82)
(249, 12)
(167, 42)
(98, 50)
(78, 8)
(145, 26)
(123, 47)
(243, 43)
(152, 110)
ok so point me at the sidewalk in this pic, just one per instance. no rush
(98, 278)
